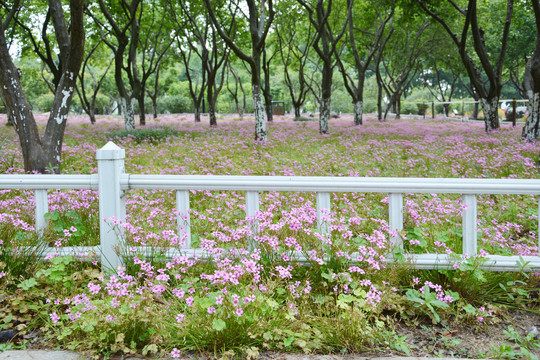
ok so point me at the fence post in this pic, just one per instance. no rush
(112, 204)
(395, 210)
(433, 110)
(469, 225)
(252, 207)
(323, 208)
(183, 217)
(42, 207)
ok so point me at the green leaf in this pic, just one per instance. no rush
(469, 309)
(27, 284)
(218, 325)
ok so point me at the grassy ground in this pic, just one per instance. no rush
(248, 301)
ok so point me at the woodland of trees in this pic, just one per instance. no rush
(137, 57)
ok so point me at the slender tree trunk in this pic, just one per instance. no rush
(491, 115)
(475, 110)
(126, 105)
(211, 105)
(197, 113)
(379, 102)
(260, 114)
(358, 112)
(211, 100)
(326, 96)
(531, 82)
(268, 106)
(154, 106)
(212, 114)
(531, 129)
(296, 111)
(92, 115)
(142, 110)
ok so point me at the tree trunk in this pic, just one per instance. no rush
(358, 112)
(531, 129)
(324, 115)
(531, 83)
(260, 118)
(268, 108)
(212, 111)
(43, 154)
(326, 96)
(129, 115)
(142, 110)
(296, 111)
(197, 114)
(154, 106)
(491, 115)
(446, 109)
(92, 115)
(475, 110)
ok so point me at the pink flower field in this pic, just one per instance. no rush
(250, 296)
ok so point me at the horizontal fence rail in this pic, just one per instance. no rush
(112, 183)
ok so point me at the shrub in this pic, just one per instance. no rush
(44, 102)
(152, 135)
(173, 104)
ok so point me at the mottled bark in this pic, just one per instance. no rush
(531, 82)
(531, 129)
(491, 115)
(129, 114)
(260, 114)
(42, 154)
(260, 17)
(358, 112)
(324, 115)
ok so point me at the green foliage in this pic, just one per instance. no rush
(44, 102)
(428, 303)
(147, 135)
(521, 347)
(20, 257)
(174, 104)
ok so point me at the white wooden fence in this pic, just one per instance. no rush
(112, 182)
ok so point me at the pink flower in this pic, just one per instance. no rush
(211, 310)
(54, 317)
(239, 312)
(175, 353)
(180, 318)
(94, 289)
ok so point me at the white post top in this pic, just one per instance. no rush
(110, 151)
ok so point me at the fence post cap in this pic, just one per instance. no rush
(110, 151)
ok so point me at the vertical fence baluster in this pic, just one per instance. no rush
(323, 202)
(252, 206)
(395, 212)
(42, 207)
(112, 204)
(183, 225)
(538, 230)
(469, 225)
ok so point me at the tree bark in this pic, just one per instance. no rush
(531, 82)
(491, 115)
(43, 154)
(358, 112)
(260, 120)
(126, 103)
